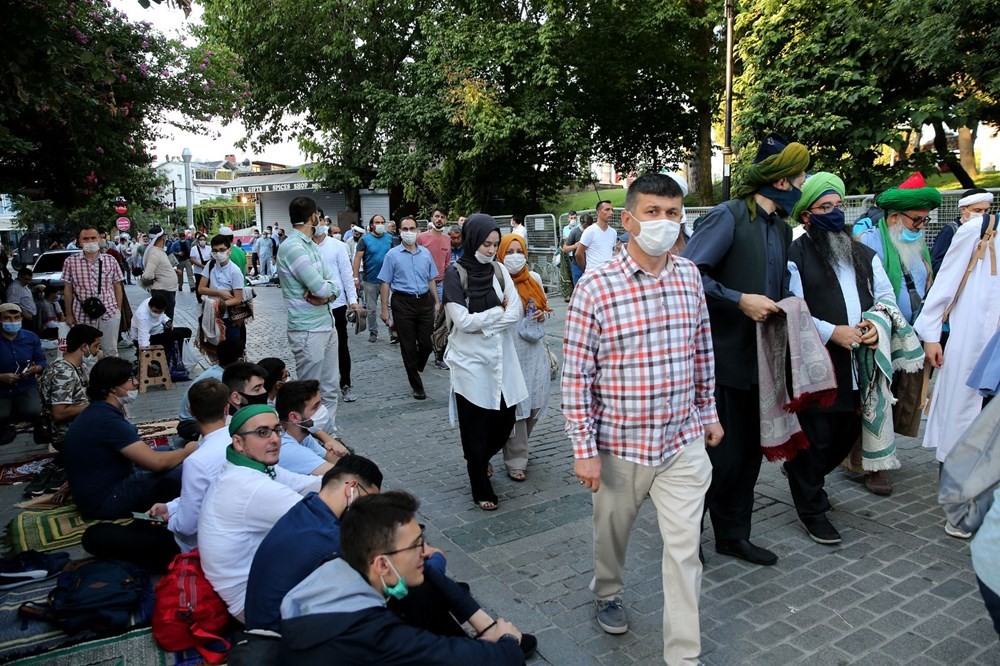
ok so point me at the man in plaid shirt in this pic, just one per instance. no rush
(638, 395)
(80, 273)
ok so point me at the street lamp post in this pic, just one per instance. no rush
(727, 148)
(186, 154)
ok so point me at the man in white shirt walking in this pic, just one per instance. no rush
(597, 244)
(334, 253)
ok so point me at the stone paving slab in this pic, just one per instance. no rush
(897, 591)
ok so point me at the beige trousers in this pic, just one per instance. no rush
(515, 451)
(677, 488)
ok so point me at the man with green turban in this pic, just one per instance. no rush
(839, 279)
(899, 241)
(741, 247)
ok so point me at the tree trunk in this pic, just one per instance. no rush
(967, 149)
(946, 156)
(704, 96)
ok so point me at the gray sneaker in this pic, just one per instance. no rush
(440, 364)
(611, 615)
(373, 337)
(348, 394)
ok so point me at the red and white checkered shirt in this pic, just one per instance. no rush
(82, 274)
(638, 377)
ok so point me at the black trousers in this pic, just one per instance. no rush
(171, 297)
(414, 320)
(484, 432)
(343, 351)
(735, 462)
(831, 437)
(145, 544)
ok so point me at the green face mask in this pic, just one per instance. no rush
(397, 591)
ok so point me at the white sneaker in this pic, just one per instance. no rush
(957, 532)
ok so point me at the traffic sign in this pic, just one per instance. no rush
(123, 223)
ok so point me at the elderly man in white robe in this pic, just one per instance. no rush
(974, 318)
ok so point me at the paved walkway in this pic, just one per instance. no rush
(898, 590)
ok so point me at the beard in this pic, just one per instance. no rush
(834, 246)
(910, 254)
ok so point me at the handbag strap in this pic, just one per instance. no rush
(987, 239)
(100, 274)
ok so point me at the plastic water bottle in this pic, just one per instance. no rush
(530, 309)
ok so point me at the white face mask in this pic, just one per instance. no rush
(318, 420)
(656, 237)
(445, 229)
(515, 262)
(91, 248)
(379, 229)
(202, 243)
(221, 257)
(322, 230)
(409, 237)
(482, 258)
(129, 397)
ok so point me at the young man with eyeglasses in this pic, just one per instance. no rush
(339, 613)
(248, 497)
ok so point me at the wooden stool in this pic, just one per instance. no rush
(146, 358)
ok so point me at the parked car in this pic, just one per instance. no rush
(48, 267)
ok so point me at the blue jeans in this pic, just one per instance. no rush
(138, 492)
(576, 271)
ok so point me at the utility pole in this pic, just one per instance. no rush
(186, 154)
(727, 148)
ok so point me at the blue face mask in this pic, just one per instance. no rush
(832, 221)
(11, 327)
(908, 236)
(397, 591)
(786, 199)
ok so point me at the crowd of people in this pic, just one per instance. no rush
(674, 386)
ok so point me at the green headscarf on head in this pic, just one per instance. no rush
(790, 162)
(816, 186)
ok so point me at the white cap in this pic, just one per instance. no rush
(225, 231)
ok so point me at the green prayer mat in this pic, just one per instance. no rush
(54, 529)
(134, 648)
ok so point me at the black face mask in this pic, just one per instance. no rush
(255, 399)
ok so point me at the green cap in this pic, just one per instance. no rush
(247, 413)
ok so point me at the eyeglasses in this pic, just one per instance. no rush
(418, 544)
(264, 433)
(917, 221)
(828, 207)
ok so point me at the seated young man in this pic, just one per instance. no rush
(248, 497)
(21, 361)
(227, 353)
(246, 385)
(152, 545)
(338, 614)
(151, 326)
(209, 400)
(305, 449)
(111, 471)
(63, 385)
(277, 375)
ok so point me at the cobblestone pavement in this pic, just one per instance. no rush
(898, 590)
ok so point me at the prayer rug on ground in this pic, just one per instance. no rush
(54, 529)
(134, 648)
(25, 470)
(157, 433)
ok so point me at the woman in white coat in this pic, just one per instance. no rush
(483, 305)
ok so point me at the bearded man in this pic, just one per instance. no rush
(974, 204)
(839, 279)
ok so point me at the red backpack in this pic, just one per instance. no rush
(189, 613)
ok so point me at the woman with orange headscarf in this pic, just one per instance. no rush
(531, 354)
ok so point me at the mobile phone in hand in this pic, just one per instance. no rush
(146, 516)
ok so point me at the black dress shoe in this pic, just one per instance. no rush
(821, 530)
(419, 395)
(528, 645)
(743, 549)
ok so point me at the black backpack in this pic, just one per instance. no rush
(106, 597)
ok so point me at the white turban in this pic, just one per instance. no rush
(225, 231)
(681, 181)
(973, 199)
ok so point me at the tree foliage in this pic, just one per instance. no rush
(468, 102)
(826, 74)
(83, 90)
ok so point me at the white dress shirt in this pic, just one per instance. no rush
(334, 253)
(145, 323)
(197, 474)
